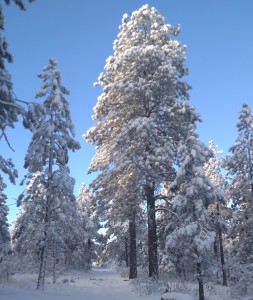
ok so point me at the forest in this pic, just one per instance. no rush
(162, 204)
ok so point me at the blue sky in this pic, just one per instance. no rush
(80, 34)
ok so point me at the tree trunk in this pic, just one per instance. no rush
(43, 262)
(222, 259)
(224, 275)
(152, 236)
(54, 271)
(54, 266)
(126, 251)
(89, 256)
(43, 254)
(215, 249)
(200, 281)
(132, 250)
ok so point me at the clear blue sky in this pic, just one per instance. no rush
(80, 34)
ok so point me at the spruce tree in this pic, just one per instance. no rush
(47, 164)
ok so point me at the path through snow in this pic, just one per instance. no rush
(98, 284)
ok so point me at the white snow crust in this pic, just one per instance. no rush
(98, 284)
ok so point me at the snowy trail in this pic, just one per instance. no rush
(98, 284)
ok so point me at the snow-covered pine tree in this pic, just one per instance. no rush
(48, 172)
(119, 196)
(9, 111)
(219, 211)
(130, 194)
(86, 208)
(8, 168)
(137, 112)
(191, 242)
(239, 166)
(5, 245)
(166, 223)
(9, 108)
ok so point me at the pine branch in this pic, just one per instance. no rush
(168, 210)
(6, 139)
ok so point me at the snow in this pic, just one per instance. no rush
(97, 284)
(176, 296)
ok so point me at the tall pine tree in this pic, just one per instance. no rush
(47, 164)
(137, 113)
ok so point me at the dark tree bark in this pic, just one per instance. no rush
(200, 281)
(54, 264)
(215, 249)
(43, 263)
(224, 274)
(152, 235)
(44, 249)
(132, 250)
(126, 252)
(222, 259)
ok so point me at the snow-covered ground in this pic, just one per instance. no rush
(98, 284)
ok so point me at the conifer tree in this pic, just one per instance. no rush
(218, 211)
(86, 208)
(138, 111)
(9, 108)
(120, 206)
(49, 182)
(5, 246)
(191, 242)
(239, 167)
(9, 111)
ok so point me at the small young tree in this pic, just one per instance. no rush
(86, 208)
(191, 243)
(218, 210)
(47, 154)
